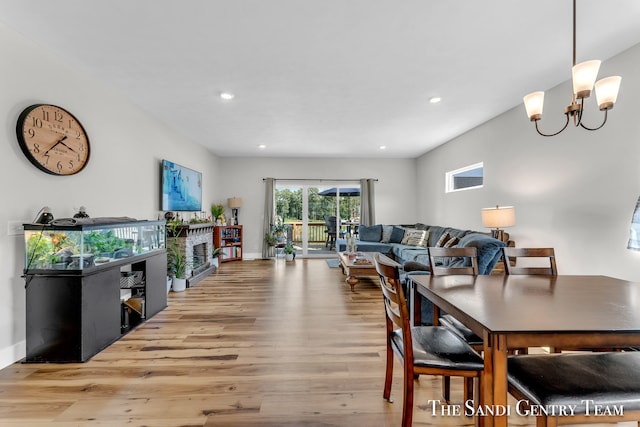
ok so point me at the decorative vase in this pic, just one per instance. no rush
(169, 280)
(288, 257)
(179, 285)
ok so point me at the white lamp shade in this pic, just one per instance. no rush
(499, 217)
(234, 202)
(533, 103)
(584, 76)
(607, 91)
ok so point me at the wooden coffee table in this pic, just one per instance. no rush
(361, 265)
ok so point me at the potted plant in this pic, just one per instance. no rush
(176, 258)
(214, 257)
(270, 239)
(289, 252)
(279, 231)
(217, 213)
(179, 269)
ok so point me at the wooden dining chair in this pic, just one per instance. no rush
(422, 350)
(446, 262)
(547, 255)
(450, 261)
(574, 380)
(545, 265)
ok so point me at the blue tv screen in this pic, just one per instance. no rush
(181, 188)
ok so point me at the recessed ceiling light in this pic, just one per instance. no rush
(435, 99)
(262, 146)
(383, 147)
(227, 96)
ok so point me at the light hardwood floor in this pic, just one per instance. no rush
(259, 343)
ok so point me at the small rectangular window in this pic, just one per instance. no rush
(465, 178)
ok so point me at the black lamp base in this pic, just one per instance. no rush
(498, 234)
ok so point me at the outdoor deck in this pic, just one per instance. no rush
(317, 238)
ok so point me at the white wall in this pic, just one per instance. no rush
(121, 179)
(243, 177)
(575, 191)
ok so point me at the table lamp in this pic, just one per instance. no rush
(497, 218)
(234, 203)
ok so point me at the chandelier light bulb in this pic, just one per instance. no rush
(607, 91)
(584, 76)
(533, 103)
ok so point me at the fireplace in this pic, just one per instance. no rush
(199, 258)
(196, 240)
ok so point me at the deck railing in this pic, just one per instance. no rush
(317, 231)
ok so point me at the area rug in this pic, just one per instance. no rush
(333, 263)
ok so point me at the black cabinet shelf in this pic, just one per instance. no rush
(73, 315)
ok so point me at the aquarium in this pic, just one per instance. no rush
(86, 245)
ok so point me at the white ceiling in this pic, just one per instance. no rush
(325, 78)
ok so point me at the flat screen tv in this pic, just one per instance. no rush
(181, 188)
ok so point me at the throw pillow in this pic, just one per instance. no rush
(451, 242)
(386, 233)
(442, 240)
(396, 235)
(370, 233)
(413, 237)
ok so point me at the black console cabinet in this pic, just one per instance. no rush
(72, 315)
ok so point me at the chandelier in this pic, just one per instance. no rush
(583, 75)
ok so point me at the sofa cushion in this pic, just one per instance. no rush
(384, 248)
(489, 251)
(386, 233)
(396, 235)
(404, 253)
(413, 237)
(370, 233)
(414, 266)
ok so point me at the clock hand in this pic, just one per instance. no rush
(71, 149)
(54, 145)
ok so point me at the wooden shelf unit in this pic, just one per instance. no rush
(229, 239)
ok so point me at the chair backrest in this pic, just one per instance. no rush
(331, 222)
(395, 303)
(453, 266)
(540, 253)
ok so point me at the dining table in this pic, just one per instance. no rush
(521, 311)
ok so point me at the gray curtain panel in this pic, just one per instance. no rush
(367, 201)
(269, 212)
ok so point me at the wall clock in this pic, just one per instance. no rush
(53, 139)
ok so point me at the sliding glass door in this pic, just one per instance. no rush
(307, 208)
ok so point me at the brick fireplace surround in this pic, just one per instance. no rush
(196, 241)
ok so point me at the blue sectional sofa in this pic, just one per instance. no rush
(388, 239)
(413, 254)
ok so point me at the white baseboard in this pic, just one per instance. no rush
(12, 354)
(248, 256)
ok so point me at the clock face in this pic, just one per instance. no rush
(53, 139)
